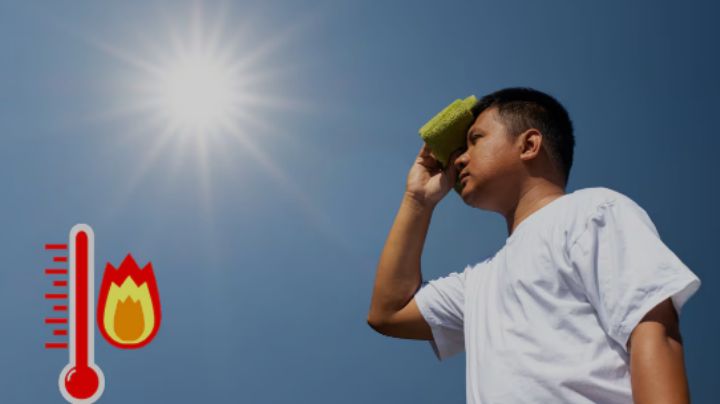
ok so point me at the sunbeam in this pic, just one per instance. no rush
(196, 85)
(190, 88)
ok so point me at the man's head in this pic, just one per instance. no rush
(519, 135)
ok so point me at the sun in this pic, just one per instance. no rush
(196, 93)
(199, 99)
(196, 78)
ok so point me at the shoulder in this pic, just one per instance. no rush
(480, 266)
(588, 207)
(594, 197)
(589, 201)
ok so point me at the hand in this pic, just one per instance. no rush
(427, 181)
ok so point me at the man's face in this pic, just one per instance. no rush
(489, 169)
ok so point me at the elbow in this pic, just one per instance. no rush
(372, 324)
(377, 324)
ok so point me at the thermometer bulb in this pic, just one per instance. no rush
(81, 382)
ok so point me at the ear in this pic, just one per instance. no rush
(530, 144)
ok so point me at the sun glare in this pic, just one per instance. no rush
(196, 94)
(198, 97)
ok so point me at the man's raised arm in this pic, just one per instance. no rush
(393, 310)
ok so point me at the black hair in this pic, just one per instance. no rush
(522, 108)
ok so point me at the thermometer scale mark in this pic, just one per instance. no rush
(55, 321)
(57, 296)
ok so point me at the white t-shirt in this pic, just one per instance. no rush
(547, 318)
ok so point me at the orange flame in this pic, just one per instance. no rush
(129, 321)
(129, 305)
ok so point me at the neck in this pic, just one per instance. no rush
(531, 199)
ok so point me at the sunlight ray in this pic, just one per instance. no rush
(200, 87)
(142, 166)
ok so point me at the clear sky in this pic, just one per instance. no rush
(265, 231)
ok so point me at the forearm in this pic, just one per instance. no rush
(398, 272)
(657, 368)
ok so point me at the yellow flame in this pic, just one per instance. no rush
(117, 318)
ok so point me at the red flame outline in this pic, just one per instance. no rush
(128, 268)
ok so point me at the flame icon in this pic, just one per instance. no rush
(129, 305)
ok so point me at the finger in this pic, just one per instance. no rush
(425, 151)
(430, 164)
(426, 156)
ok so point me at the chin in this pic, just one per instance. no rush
(473, 197)
(469, 196)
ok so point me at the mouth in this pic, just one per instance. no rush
(462, 177)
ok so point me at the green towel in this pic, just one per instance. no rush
(446, 131)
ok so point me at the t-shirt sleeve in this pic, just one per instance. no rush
(441, 303)
(626, 269)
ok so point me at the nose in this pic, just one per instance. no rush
(461, 160)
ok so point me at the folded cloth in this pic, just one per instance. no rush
(446, 131)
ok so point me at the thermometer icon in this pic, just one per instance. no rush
(81, 380)
(128, 303)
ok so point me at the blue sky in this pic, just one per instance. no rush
(265, 240)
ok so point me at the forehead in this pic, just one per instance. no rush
(487, 122)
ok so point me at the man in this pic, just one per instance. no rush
(580, 305)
